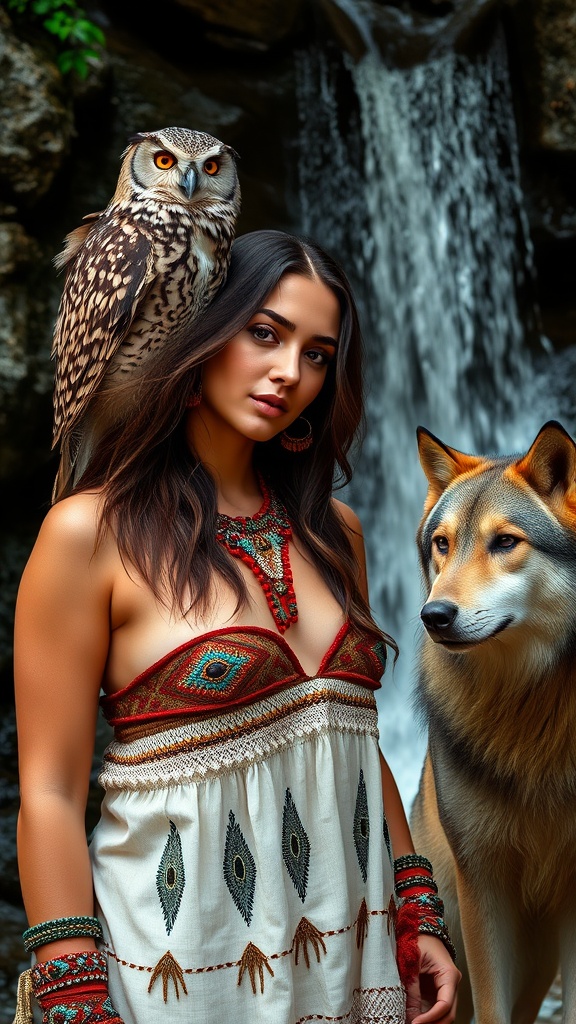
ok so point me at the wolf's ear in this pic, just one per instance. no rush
(441, 463)
(550, 464)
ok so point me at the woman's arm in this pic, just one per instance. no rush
(435, 987)
(61, 645)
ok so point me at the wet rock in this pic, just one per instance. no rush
(246, 24)
(35, 119)
(152, 94)
(544, 33)
(542, 44)
(25, 372)
(16, 247)
(409, 32)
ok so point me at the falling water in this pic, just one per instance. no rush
(414, 186)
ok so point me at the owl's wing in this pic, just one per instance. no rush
(111, 274)
(75, 240)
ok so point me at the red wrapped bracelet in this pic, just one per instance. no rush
(420, 912)
(71, 988)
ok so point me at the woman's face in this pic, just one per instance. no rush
(274, 367)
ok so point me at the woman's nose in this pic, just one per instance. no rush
(286, 366)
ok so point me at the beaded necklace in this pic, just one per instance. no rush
(262, 542)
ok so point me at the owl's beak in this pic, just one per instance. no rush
(188, 182)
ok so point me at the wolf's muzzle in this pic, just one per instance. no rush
(438, 615)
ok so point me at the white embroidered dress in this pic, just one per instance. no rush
(241, 864)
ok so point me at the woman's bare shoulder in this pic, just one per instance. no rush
(351, 521)
(73, 523)
(350, 518)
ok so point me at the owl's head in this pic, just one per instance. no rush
(180, 167)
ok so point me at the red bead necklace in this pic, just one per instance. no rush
(262, 542)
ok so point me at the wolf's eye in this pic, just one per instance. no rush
(504, 542)
(441, 545)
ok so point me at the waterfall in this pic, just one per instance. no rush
(410, 177)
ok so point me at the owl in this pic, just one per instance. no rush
(150, 262)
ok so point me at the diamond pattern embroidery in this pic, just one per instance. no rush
(239, 869)
(295, 846)
(170, 878)
(214, 670)
(362, 827)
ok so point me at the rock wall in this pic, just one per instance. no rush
(246, 24)
(542, 39)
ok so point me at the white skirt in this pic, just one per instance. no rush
(250, 879)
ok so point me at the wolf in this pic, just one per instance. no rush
(496, 806)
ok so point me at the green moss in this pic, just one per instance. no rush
(78, 39)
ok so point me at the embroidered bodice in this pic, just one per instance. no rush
(231, 667)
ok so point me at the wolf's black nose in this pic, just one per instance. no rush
(438, 614)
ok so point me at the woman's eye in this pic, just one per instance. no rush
(262, 333)
(504, 542)
(164, 160)
(318, 356)
(441, 545)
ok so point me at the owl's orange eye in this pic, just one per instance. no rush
(164, 160)
(212, 166)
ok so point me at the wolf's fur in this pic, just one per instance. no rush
(496, 808)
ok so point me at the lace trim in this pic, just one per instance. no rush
(369, 1006)
(217, 746)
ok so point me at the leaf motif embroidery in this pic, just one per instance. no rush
(253, 959)
(307, 932)
(168, 969)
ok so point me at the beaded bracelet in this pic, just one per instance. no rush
(415, 882)
(61, 928)
(412, 860)
(415, 886)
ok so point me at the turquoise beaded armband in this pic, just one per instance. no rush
(61, 928)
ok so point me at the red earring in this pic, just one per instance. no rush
(196, 397)
(297, 444)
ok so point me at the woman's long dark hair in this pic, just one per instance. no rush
(161, 501)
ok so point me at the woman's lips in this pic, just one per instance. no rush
(270, 405)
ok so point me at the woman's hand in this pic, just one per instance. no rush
(431, 998)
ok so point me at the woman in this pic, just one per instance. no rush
(202, 575)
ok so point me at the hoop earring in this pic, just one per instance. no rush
(297, 444)
(195, 397)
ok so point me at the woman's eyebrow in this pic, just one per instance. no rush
(278, 318)
(292, 327)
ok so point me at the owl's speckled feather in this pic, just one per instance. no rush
(151, 261)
